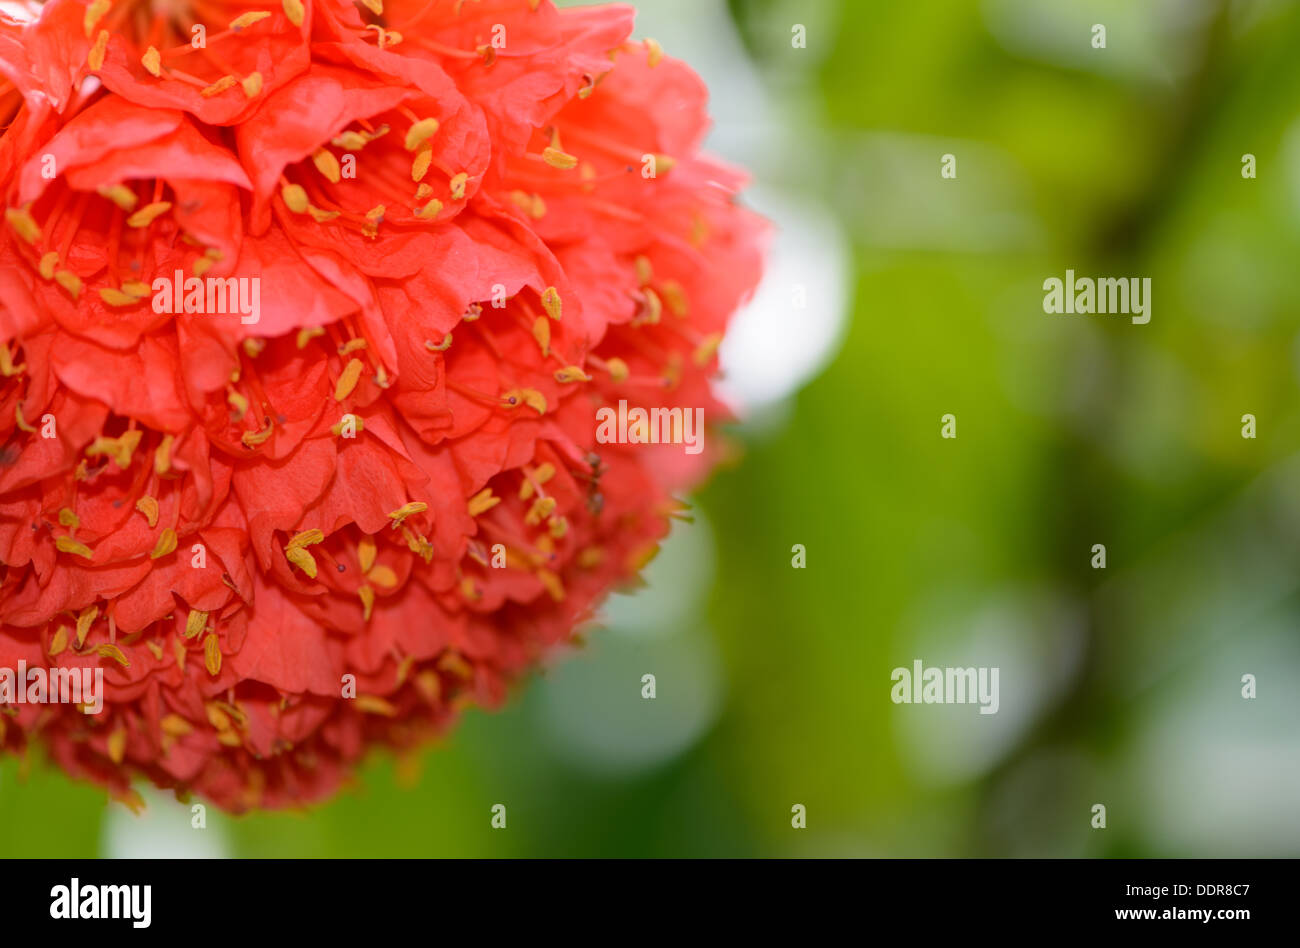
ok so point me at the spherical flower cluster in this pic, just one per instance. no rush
(306, 313)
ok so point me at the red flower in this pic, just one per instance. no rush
(368, 489)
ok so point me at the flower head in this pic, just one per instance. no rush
(364, 489)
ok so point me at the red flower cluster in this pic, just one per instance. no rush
(307, 312)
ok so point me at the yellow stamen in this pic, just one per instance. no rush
(430, 210)
(94, 13)
(482, 502)
(384, 576)
(212, 654)
(69, 545)
(348, 380)
(108, 650)
(572, 373)
(162, 456)
(152, 62)
(95, 58)
(295, 198)
(320, 217)
(407, 510)
(327, 165)
(114, 297)
(551, 303)
(374, 6)
(59, 642)
(420, 166)
(307, 335)
(149, 507)
(654, 53)
(707, 348)
(84, 621)
(24, 225)
(559, 159)
(248, 19)
(375, 705)
(366, 553)
(441, 347)
(542, 333)
(294, 10)
(195, 623)
(618, 370)
(69, 281)
(145, 216)
(46, 267)
(542, 508)
(117, 745)
(302, 559)
(252, 84)
(218, 87)
(119, 449)
(306, 538)
(367, 595)
(419, 133)
(166, 544)
(458, 183)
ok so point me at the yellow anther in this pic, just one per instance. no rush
(675, 297)
(95, 58)
(618, 370)
(295, 198)
(120, 195)
(457, 184)
(366, 553)
(542, 508)
(652, 309)
(173, 725)
(294, 10)
(239, 403)
(559, 526)
(348, 380)
(482, 502)
(137, 288)
(166, 544)
(423, 192)
(572, 373)
(195, 623)
(149, 507)
(441, 347)
(252, 84)
(551, 303)
(202, 266)
(376, 214)
(162, 456)
(24, 426)
(84, 621)
(69, 281)
(212, 654)
(367, 595)
(218, 87)
(145, 216)
(248, 19)
(420, 166)
(119, 449)
(664, 163)
(46, 266)
(542, 333)
(94, 13)
(358, 424)
(300, 558)
(372, 704)
(352, 345)
(644, 271)
(374, 6)
(253, 438)
(152, 62)
(430, 210)
(654, 53)
(559, 159)
(307, 335)
(327, 165)
(59, 642)
(419, 133)
(706, 349)
(7, 367)
(383, 575)
(24, 225)
(320, 217)
(69, 545)
(305, 538)
(69, 519)
(117, 745)
(349, 141)
(114, 297)
(551, 583)
(407, 510)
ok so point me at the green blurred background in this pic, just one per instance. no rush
(923, 296)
